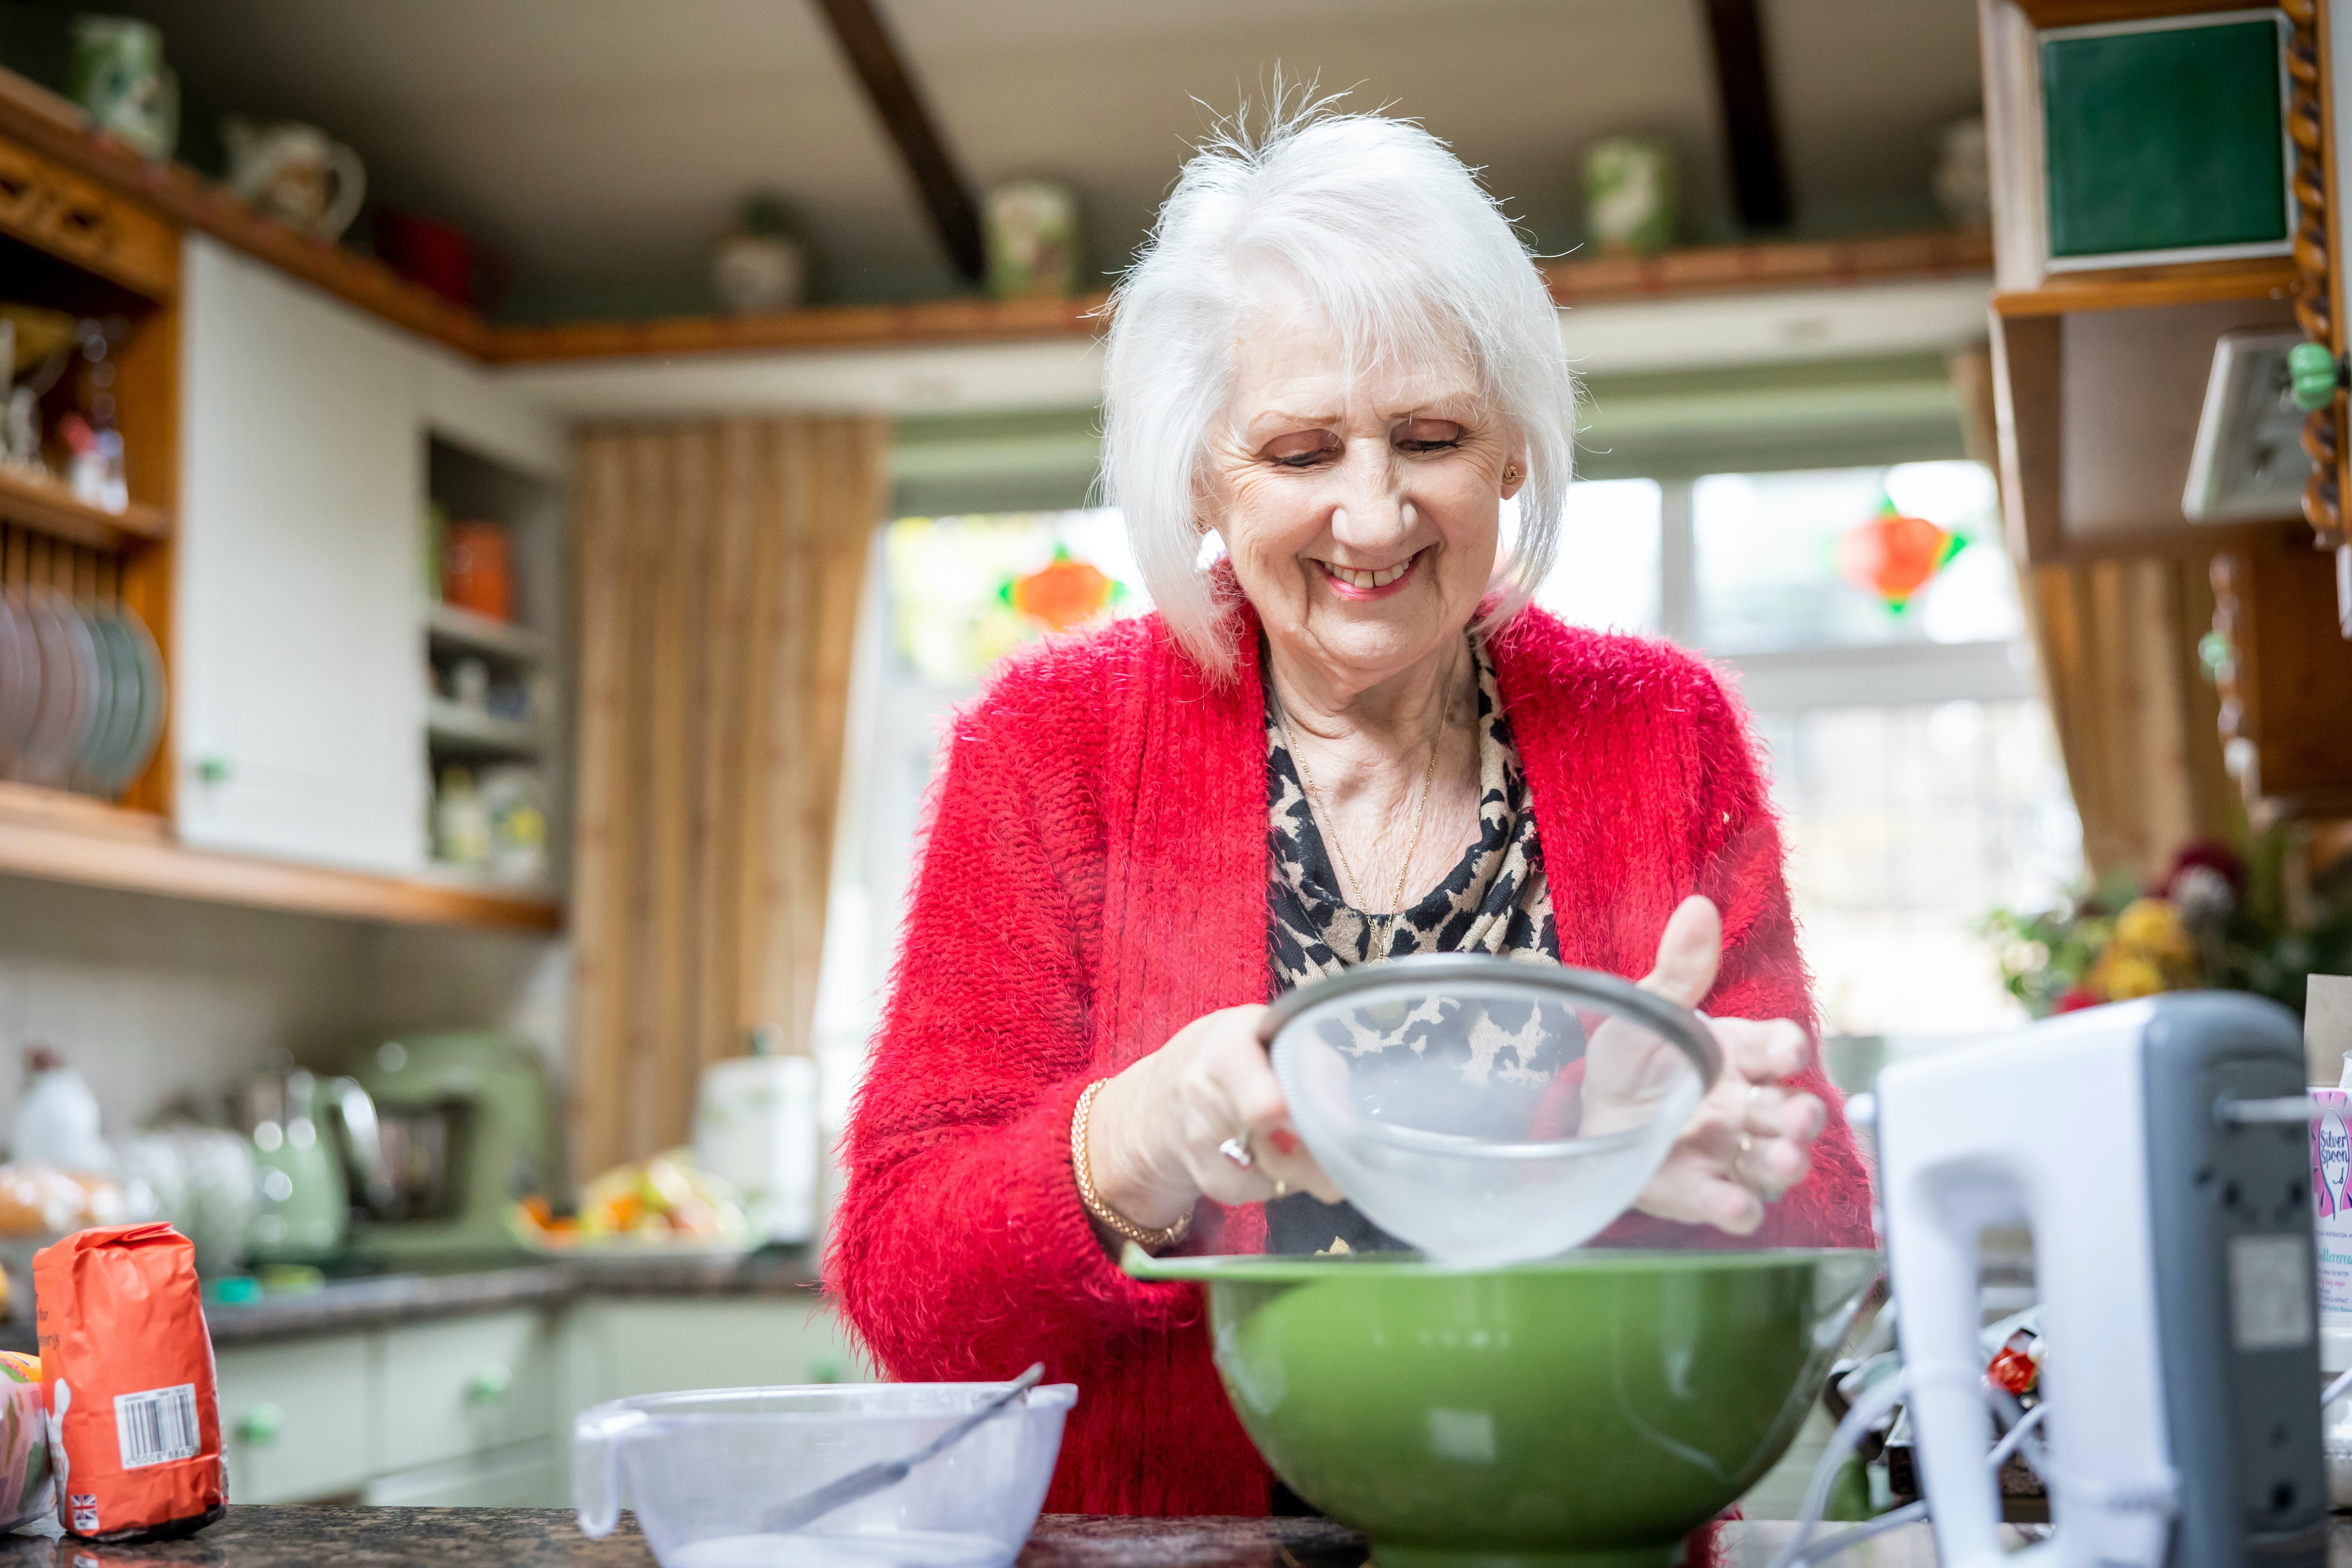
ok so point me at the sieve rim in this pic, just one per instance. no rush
(1678, 1025)
(1422, 1141)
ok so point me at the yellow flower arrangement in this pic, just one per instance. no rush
(2151, 950)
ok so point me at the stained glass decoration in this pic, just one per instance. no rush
(1893, 554)
(1767, 565)
(966, 591)
(1064, 593)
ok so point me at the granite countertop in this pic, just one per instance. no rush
(403, 1294)
(267, 1537)
(270, 1537)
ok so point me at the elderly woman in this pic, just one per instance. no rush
(1350, 738)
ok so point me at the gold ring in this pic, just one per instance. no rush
(1281, 1188)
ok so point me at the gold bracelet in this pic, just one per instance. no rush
(1082, 1165)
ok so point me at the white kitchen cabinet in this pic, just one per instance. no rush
(300, 654)
(303, 486)
(469, 405)
(298, 1420)
(616, 1346)
(465, 1387)
(475, 1411)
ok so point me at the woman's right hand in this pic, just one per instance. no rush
(1155, 1128)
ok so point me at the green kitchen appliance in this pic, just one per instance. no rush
(465, 1129)
(311, 1136)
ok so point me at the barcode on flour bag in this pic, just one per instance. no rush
(157, 1427)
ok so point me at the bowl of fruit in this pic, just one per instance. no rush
(666, 1207)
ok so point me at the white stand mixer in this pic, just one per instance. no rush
(2158, 1152)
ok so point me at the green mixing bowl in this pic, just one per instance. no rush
(1588, 1411)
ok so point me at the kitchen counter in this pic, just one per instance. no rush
(410, 1296)
(547, 1538)
(403, 1294)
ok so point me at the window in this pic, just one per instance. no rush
(1774, 556)
(946, 598)
(960, 588)
(1905, 824)
(1608, 540)
(1911, 757)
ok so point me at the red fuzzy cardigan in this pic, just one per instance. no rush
(1095, 877)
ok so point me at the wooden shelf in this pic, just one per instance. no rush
(61, 131)
(2083, 13)
(31, 500)
(453, 627)
(2097, 409)
(61, 837)
(1688, 273)
(450, 728)
(1775, 264)
(458, 879)
(2140, 288)
(823, 327)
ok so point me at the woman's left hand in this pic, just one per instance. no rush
(1751, 1139)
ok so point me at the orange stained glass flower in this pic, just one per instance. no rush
(1064, 593)
(1894, 556)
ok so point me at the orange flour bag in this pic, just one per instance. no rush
(135, 1417)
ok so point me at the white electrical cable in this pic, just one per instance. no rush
(2015, 1439)
(1909, 1513)
(2023, 1436)
(1874, 1402)
(2337, 1390)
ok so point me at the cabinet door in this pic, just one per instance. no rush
(618, 1346)
(465, 1387)
(298, 1419)
(301, 699)
(525, 1476)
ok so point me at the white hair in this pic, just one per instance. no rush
(1402, 251)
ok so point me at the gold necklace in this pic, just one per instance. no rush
(1315, 798)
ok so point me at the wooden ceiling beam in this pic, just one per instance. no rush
(1751, 137)
(891, 89)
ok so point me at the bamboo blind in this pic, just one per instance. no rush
(2138, 721)
(721, 567)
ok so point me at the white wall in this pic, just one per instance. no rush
(154, 999)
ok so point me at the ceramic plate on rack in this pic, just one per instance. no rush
(69, 678)
(154, 697)
(20, 680)
(104, 758)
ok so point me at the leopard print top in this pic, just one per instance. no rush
(1495, 900)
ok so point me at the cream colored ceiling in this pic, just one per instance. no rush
(602, 143)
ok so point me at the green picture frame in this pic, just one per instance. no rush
(2166, 139)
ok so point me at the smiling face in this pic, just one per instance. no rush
(1362, 512)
